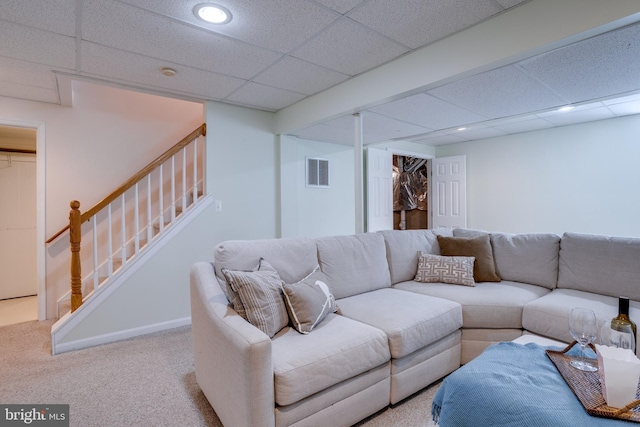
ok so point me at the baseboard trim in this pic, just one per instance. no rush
(121, 335)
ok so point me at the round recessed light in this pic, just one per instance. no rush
(169, 72)
(212, 13)
(461, 129)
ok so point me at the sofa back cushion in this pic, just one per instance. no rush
(354, 264)
(527, 258)
(402, 250)
(293, 258)
(600, 264)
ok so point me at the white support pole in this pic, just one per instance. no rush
(358, 171)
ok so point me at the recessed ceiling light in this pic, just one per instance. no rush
(462, 128)
(212, 13)
(566, 108)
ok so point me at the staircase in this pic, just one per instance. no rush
(121, 229)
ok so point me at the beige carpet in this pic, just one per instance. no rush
(145, 381)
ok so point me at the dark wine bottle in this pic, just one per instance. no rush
(623, 316)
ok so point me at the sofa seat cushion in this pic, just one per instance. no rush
(492, 305)
(336, 350)
(410, 321)
(549, 315)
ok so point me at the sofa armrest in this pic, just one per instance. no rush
(232, 357)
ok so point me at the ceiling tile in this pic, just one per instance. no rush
(57, 16)
(415, 23)
(33, 93)
(427, 111)
(622, 99)
(480, 133)
(440, 140)
(326, 133)
(106, 62)
(37, 46)
(340, 6)
(593, 68)
(498, 93)
(129, 28)
(300, 76)
(510, 3)
(377, 128)
(578, 116)
(625, 108)
(349, 48)
(264, 97)
(524, 125)
(278, 25)
(27, 73)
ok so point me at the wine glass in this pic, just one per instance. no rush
(619, 335)
(584, 329)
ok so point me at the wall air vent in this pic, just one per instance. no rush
(317, 173)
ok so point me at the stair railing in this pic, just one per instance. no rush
(188, 196)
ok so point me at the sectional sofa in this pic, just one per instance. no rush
(391, 335)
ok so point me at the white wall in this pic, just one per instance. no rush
(581, 178)
(315, 212)
(242, 172)
(93, 147)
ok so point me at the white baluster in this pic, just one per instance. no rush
(109, 242)
(173, 189)
(149, 222)
(137, 221)
(161, 202)
(195, 171)
(96, 282)
(184, 179)
(123, 251)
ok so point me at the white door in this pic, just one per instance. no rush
(449, 192)
(379, 190)
(18, 226)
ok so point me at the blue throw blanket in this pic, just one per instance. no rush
(512, 385)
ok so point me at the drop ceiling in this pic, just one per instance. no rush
(276, 53)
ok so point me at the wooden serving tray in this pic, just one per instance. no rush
(586, 386)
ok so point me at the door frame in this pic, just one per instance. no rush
(40, 207)
(427, 157)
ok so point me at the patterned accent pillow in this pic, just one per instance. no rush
(261, 295)
(232, 295)
(309, 301)
(455, 270)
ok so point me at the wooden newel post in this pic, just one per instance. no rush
(75, 235)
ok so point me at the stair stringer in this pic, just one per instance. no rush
(70, 321)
